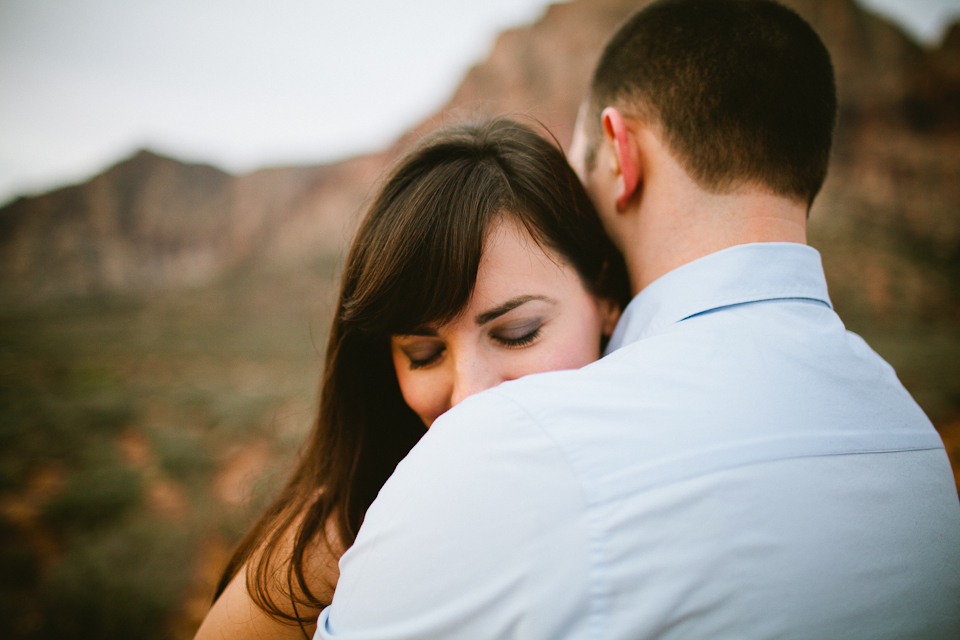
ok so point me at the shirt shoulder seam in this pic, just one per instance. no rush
(598, 586)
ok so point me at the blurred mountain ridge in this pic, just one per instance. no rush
(151, 222)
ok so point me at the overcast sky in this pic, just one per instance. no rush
(247, 83)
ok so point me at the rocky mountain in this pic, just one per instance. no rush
(152, 221)
(891, 205)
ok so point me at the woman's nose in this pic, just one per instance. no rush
(471, 378)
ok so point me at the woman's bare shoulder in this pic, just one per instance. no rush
(235, 614)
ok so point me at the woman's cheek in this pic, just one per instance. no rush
(422, 392)
(580, 337)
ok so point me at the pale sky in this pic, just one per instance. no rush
(243, 84)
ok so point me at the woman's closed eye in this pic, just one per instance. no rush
(517, 334)
(423, 354)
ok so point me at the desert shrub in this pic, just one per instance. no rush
(105, 415)
(33, 427)
(95, 496)
(184, 455)
(122, 583)
(19, 574)
(40, 425)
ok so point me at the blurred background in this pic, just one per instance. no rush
(179, 180)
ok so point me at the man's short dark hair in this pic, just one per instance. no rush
(743, 91)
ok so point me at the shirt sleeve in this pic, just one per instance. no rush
(480, 533)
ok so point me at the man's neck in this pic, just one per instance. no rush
(681, 225)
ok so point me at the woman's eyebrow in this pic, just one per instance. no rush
(509, 305)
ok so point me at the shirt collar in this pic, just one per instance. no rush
(736, 275)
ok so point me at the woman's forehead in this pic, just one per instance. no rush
(509, 247)
(513, 265)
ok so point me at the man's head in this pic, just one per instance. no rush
(742, 92)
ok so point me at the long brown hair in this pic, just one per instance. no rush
(413, 262)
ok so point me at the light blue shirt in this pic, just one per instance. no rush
(740, 466)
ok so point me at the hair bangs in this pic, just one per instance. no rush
(420, 265)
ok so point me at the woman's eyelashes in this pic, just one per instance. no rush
(517, 334)
(424, 355)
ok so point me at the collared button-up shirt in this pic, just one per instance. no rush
(740, 466)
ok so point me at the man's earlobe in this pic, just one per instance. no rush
(628, 161)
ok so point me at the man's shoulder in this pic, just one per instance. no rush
(492, 434)
(632, 384)
(636, 370)
(530, 407)
(703, 395)
(573, 422)
(492, 508)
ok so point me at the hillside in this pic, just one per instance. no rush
(152, 222)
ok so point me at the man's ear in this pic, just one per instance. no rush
(628, 161)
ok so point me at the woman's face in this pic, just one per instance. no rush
(529, 313)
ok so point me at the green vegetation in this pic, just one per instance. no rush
(126, 426)
(120, 584)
